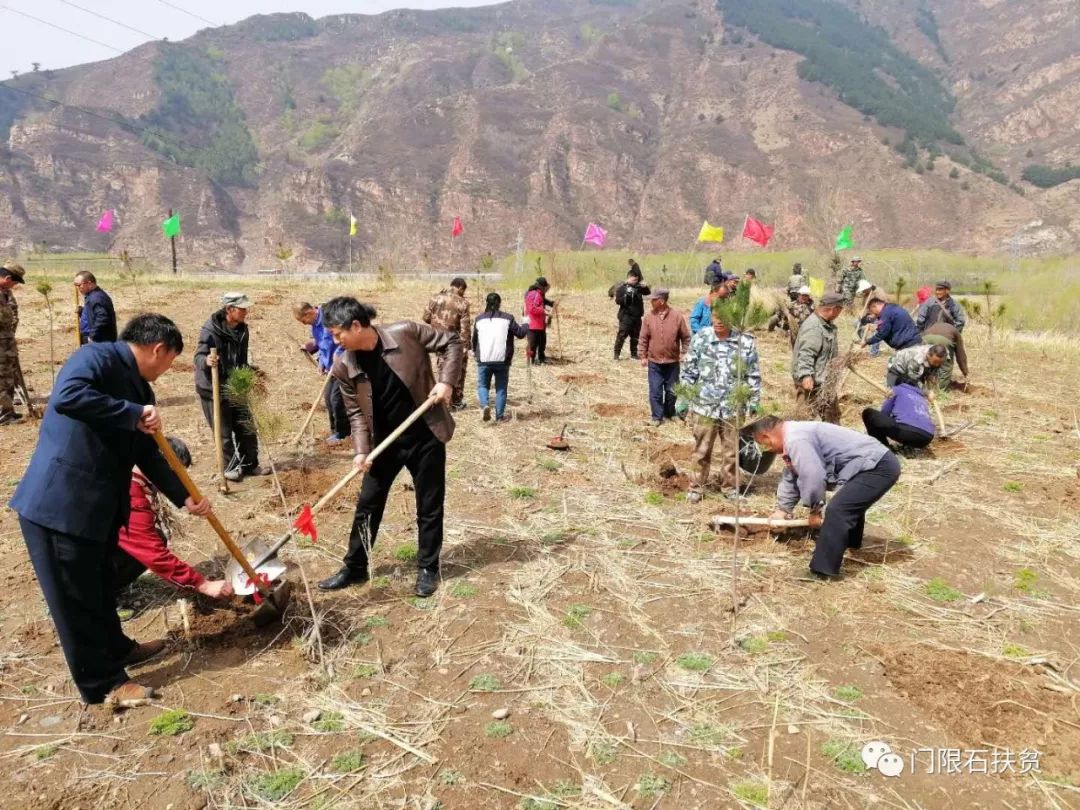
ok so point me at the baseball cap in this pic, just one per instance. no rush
(804, 290)
(15, 271)
(660, 292)
(832, 299)
(943, 285)
(235, 299)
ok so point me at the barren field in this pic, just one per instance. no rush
(584, 597)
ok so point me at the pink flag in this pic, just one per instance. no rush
(456, 228)
(106, 222)
(757, 231)
(595, 235)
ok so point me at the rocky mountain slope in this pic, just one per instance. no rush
(644, 115)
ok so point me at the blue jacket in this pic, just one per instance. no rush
(325, 347)
(895, 328)
(97, 322)
(700, 316)
(908, 406)
(79, 476)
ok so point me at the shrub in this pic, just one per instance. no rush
(171, 723)
(276, 785)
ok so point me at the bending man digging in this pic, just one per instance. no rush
(385, 374)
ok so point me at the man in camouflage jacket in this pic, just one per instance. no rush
(10, 277)
(916, 365)
(849, 280)
(814, 352)
(449, 311)
(717, 363)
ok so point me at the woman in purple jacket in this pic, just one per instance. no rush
(904, 417)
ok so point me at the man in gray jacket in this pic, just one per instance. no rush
(820, 457)
(815, 348)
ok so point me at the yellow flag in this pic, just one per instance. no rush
(710, 233)
(352, 226)
(817, 287)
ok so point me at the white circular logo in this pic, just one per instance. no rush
(890, 765)
(874, 751)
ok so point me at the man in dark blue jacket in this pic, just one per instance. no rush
(97, 318)
(74, 497)
(895, 328)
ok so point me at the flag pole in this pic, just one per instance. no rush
(172, 245)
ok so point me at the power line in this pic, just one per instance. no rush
(109, 19)
(61, 28)
(189, 13)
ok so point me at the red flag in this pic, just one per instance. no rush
(305, 523)
(757, 231)
(264, 580)
(456, 230)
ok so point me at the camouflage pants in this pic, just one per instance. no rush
(706, 432)
(9, 358)
(944, 372)
(814, 406)
(459, 383)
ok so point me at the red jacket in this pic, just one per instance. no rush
(534, 308)
(142, 540)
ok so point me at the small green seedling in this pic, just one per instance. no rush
(694, 661)
(498, 729)
(484, 683)
(941, 591)
(171, 723)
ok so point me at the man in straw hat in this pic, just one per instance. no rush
(10, 277)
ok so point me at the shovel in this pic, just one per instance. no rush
(263, 554)
(558, 442)
(215, 381)
(314, 405)
(274, 601)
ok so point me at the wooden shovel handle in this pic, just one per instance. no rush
(374, 454)
(193, 491)
(311, 411)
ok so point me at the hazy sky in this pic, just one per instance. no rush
(25, 40)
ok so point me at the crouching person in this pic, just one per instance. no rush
(904, 417)
(385, 375)
(144, 540)
(817, 457)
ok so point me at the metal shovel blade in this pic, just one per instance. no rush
(273, 568)
(272, 608)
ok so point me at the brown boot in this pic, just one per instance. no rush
(129, 695)
(141, 653)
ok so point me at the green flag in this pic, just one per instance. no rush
(843, 239)
(171, 226)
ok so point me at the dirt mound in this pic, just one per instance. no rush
(611, 409)
(984, 702)
(308, 485)
(581, 378)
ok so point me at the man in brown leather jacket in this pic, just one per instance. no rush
(385, 374)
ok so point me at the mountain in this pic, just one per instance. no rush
(913, 119)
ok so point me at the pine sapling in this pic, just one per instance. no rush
(44, 287)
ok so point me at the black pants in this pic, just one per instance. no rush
(240, 445)
(883, 426)
(425, 459)
(335, 407)
(628, 328)
(538, 345)
(77, 579)
(845, 516)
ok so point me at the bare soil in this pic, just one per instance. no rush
(644, 660)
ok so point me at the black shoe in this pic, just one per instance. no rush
(343, 579)
(427, 581)
(10, 418)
